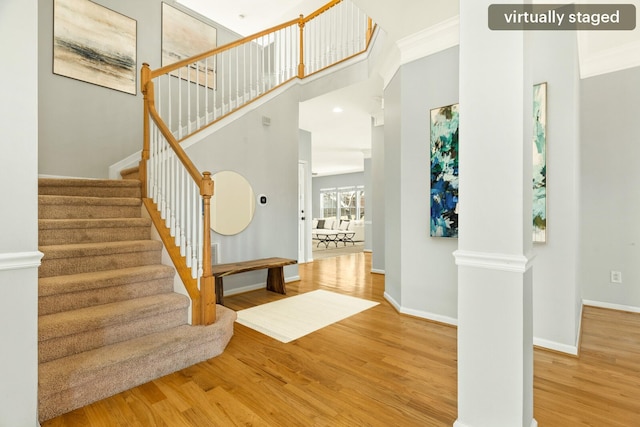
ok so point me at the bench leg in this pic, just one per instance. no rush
(275, 280)
(219, 290)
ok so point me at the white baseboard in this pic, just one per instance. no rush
(392, 301)
(556, 346)
(419, 313)
(611, 306)
(126, 163)
(430, 316)
(41, 175)
(377, 271)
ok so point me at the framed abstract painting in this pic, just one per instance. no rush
(540, 162)
(444, 171)
(94, 44)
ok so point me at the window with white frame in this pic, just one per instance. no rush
(345, 203)
(328, 202)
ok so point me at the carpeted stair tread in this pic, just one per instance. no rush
(83, 207)
(70, 223)
(88, 200)
(92, 363)
(102, 328)
(72, 322)
(98, 249)
(86, 187)
(71, 382)
(130, 173)
(87, 257)
(54, 285)
(70, 231)
(71, 292)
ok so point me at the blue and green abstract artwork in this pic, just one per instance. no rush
(444, 171)
(540, 162)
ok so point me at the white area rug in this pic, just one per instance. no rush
(294, 317)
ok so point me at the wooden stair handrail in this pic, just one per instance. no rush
(204, 299)
(184, 62)
(301, 21)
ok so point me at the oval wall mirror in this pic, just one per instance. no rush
(233, 203)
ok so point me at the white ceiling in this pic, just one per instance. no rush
(340, 141)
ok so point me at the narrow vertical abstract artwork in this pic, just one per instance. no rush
(444, 171)
(540, 162)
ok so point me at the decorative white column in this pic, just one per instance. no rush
(495, 342)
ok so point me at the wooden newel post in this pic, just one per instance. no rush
(301, 64)
(145, 82)
(207, 282)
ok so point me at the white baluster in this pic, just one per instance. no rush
(188, 221)
(174, 205)
(200, 234)
(178, 206)
(215, 85)
(194, 231)
(237, 54)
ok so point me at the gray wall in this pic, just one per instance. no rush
(377, 202)
(333, 181)
(368, 197)
(421, 275)
(393, 189)
(609, 196)
(19, 256)
(267, 156)
(84, 128)
(556, 291)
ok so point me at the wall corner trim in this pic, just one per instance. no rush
(20, 260)
(494, 261)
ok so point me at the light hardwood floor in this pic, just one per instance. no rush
(377, 368)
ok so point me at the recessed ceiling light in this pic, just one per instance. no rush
(337, 110)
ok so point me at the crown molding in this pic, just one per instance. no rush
(431, 40)
(609, 60)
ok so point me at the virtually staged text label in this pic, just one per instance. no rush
(562, 17)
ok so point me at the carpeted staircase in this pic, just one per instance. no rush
(108, 317)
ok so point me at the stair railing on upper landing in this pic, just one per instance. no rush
(183, 98)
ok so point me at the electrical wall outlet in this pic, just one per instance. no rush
(616, 276)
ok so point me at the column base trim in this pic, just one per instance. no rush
(494, 261)
(457, 423)
(20, 260)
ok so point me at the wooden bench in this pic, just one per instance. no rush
(275, 274)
